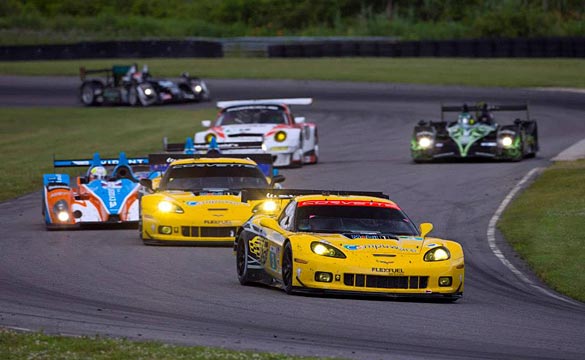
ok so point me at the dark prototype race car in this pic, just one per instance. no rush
(475, 134)
(125, 85)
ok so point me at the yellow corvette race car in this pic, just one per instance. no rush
(345, 242)
(197, 200)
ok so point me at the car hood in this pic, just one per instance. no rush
(250, 128)
(214, 205)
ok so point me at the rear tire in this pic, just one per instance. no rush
(287, 269)
(242, 261)
(87, 93)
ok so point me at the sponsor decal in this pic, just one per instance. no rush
(217, 222)
(432, 245)
(388, 270)
(112, 184)
(112, 197)
(216, 202)
(378, 246)
(369, 236)
(59, 193)
(347, 203)
(191, 203)
(385, 262)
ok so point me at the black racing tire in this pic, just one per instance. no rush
(87, 93)
(287, 268)
(242, 261)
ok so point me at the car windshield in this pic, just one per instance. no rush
(354, 219)
(194, 177)
(252, 115)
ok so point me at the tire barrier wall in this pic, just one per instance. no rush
(474, 48)
(114, 49)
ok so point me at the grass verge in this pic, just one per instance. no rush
(470, 72)
(546, 223)
(30, 138)
(16, 345)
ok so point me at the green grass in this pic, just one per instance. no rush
(471, 72)
(546, 226)
(15, 345)
(31, 136)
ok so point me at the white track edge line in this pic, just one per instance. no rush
(491, 237)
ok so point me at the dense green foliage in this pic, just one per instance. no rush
(72, 20)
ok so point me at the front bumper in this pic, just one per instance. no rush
(172, 233)
(412, 280)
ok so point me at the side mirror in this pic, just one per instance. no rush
(147, 183)
(277, 179)
(269, 223)
(517, 122)
(299, 120)
(425, 229)
(206, 123)
(422, 123)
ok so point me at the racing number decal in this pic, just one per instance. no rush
(274, 256)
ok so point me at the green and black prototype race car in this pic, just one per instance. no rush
(475, 134)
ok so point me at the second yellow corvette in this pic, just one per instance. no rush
(197, 200)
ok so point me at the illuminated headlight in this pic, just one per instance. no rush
(324, 249)
(61, 210)
(437, 254)
(148, 91)
(425, 142)
(167, 207)
(269, 206)
(507, 141)
(280, 136)
(264, 148)
(63, 216)
(209, 137)
(197, 88)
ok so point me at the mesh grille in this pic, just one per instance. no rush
(386, 282)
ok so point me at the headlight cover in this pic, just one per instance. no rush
(425, 142)
(439, 253)
(209, 137)
(197, 88)
(507, 141)
(325, 249)
(280, 136)
(267, 206)
(168, 207)
(61, 210)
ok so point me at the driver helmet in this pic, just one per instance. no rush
(466, 120)
(98, 173)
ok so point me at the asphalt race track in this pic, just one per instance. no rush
(106, 282)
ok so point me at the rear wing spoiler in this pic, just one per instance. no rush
(83, 72)
(261, 194)
(58, 163)
(188, 147)
(477, 108)
(161, 161)
(291, 101)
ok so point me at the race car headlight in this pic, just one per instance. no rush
(280, 136)
(437, 254)
(197, 88)
(148, 91)
(61, 209)
(507, 141)
(425, 142)
(324, 249)
(209, 137)
(167, 207)
(268, 206)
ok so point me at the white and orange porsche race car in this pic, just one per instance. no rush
(268, 125)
